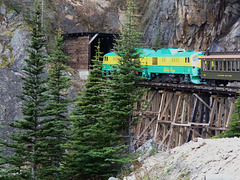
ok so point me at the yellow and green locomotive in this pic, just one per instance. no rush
(176, 65)
(165, 65)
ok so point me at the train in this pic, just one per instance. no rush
(177, 65)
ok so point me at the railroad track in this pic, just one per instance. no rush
(193, 88)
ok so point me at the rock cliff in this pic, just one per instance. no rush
(13, 40)
(188, 24)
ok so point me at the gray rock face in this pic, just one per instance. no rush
(18, 44)
(13, 40)
(160, 14)
(194, 24)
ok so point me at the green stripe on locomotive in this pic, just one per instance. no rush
(193, 72)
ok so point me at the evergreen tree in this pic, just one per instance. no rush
(25, 161)
(54, 127)
(92, 154)
(122, 91)
(234, 125)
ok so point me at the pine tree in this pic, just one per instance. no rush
(122, 91)
(25, 141)
(92, 152)
(55, 124)
(234, 125)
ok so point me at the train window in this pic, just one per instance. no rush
(234, 66)
(212, 65)
(208, 65)
(224, 66)
(163, 59)
(216, 66)
(195, 58)
(219, 65)
(187, 60)
(154, 61)
(229, 66)
(105, 58)
(237, 65)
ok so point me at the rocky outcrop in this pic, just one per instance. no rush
(13, 39)
(200, 23)
(194, 24)
(188, 24)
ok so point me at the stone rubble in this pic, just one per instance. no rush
(204, 159)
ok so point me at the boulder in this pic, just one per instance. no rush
(113, 178)
(147, 149)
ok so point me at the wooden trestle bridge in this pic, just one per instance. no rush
(179, 113)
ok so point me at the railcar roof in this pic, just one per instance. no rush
(220, 57)
(188, 54)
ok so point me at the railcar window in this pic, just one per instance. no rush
(224, 68)
(163, 59)
(229, 68)
(238, 65)
(187, 60)
(212, 65)
(208, 65)
(216, 66)
(234, 66)
(154, 61)
(219, 65)
(105, 58)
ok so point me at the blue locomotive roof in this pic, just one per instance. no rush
(165, 52)
(175, 52)
(144, 52)
(110, 54)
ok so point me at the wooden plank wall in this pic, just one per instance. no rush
(174, 118)
(78, 49)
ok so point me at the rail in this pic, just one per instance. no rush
(192, 88)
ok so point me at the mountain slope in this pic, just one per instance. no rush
(197, 160)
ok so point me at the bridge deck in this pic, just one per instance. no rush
(193, 88)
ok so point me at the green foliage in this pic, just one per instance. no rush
(234, 125)
(55, 124)
(121, 90)
(93, 152)
(168, 170)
